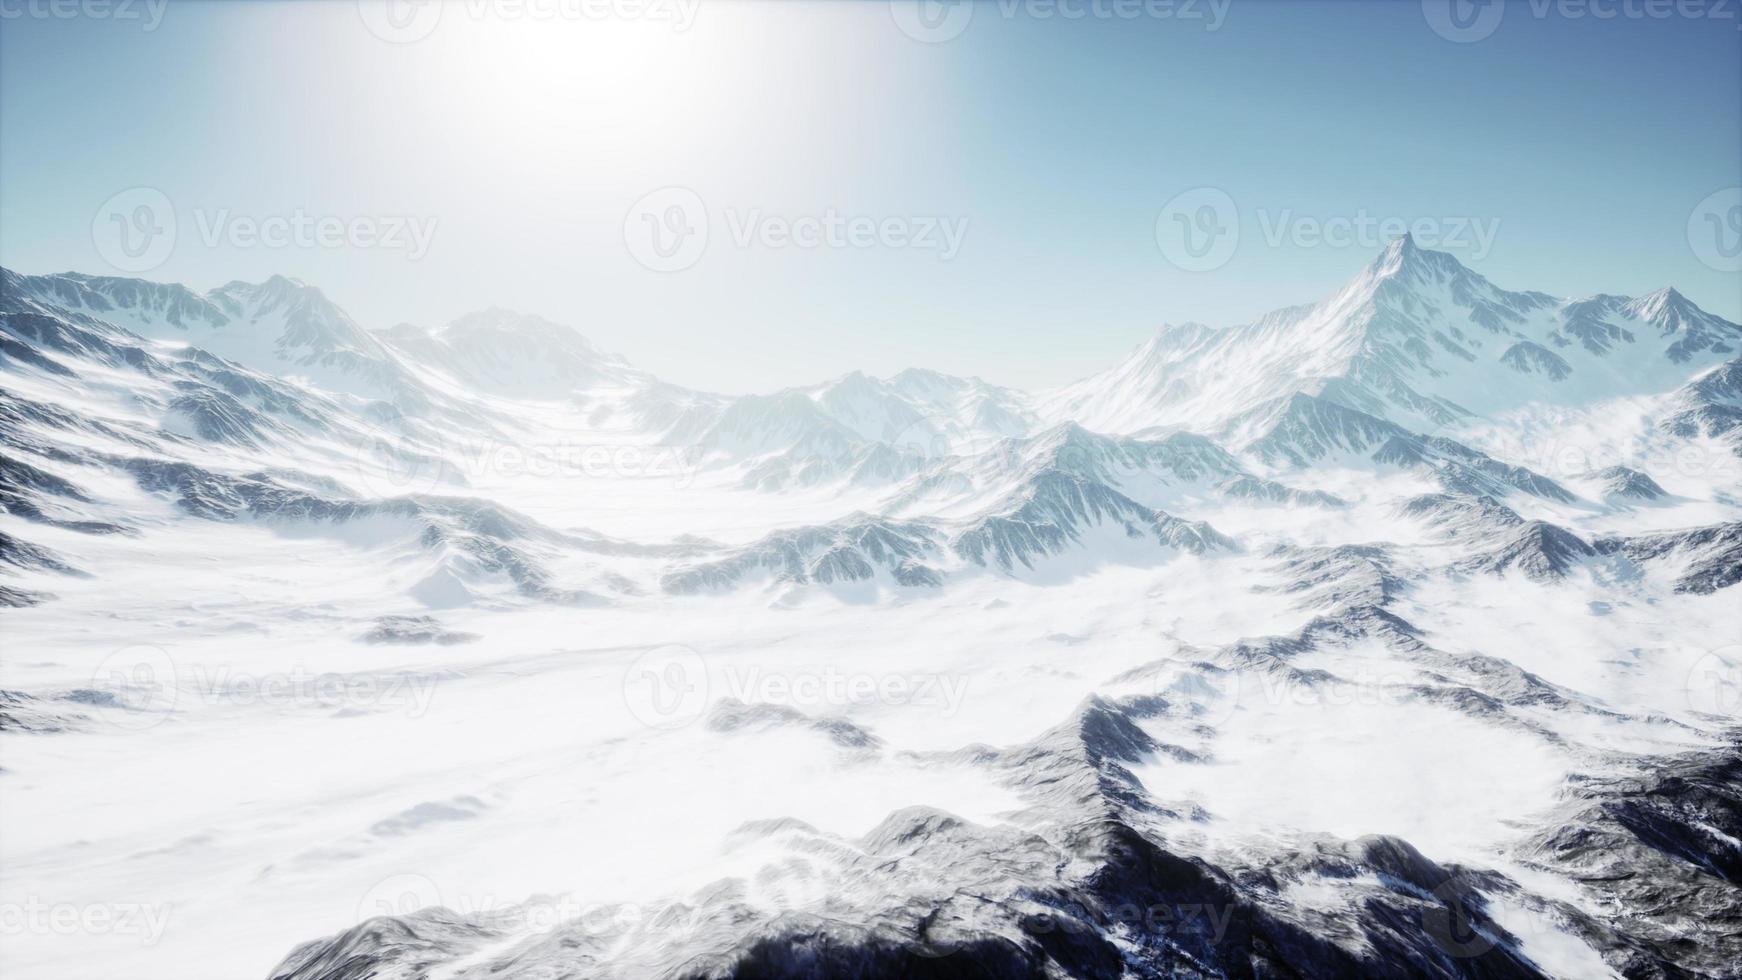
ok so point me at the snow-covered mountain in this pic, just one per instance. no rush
(1710, 405)
(280, 326)
(1286, 649)
(1417, 339)
(503, 352)
(1179, 470)
(856, 428)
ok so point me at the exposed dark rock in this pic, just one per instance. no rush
(1621, 481)
(414, 630)
(850, 550)
(1712, 555)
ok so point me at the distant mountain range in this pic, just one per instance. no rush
(1414, 343)
(1354, 462)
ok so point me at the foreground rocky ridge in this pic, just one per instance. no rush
(1088, 881)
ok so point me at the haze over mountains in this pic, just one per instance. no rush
(1390, 634)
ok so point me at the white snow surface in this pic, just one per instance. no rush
(239, 770)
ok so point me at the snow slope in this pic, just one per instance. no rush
(1416, 338)
(1300, 648)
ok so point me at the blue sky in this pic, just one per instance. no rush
(1561, 152)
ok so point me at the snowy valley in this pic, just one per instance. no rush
(1394, 634)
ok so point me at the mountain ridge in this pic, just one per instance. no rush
(1406, 339)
